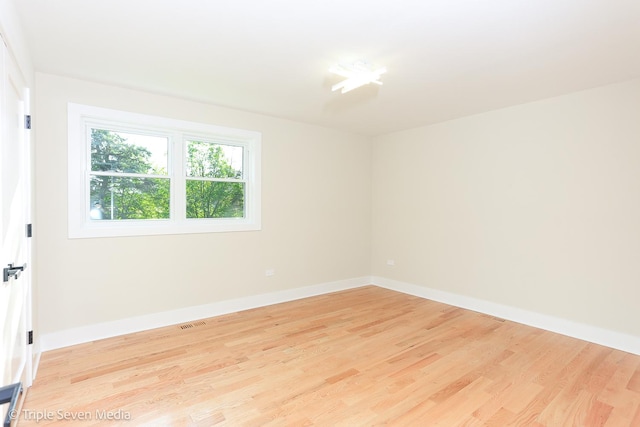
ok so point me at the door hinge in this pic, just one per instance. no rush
(29, 230)
(30, 337)
(27, 121)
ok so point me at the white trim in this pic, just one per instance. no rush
(594, 334)
(35, 365)
(84, 334)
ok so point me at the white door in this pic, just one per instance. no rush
(15, 292)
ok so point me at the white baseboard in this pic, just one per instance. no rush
(65, 338)
(609, 338)
(84, 334)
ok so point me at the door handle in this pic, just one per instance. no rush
(12, 271)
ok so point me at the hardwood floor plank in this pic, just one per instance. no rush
(634, 382)
(366, 356)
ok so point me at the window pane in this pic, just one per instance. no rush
(128, 152)
(209, 160)
(211, 199)
(129, 198)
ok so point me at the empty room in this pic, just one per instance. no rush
(245, 213)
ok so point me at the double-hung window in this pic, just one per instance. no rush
(134, 174)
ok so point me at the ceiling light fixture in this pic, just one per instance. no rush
(358, 74)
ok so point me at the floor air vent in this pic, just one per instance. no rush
(193, 324)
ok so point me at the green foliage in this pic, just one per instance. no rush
(212, 199)
(111, 152)
(119, 197)
(207, 199)
(208, 161)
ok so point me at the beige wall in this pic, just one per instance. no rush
(535, 206)
(316, 228)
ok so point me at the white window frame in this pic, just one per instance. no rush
(81, 118)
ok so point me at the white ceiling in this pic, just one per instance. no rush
(445, 58)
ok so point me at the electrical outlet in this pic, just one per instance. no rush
(270, 272)
(391, 262)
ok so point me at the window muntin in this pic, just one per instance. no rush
(133, 174)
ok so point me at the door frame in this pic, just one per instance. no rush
(12, 73)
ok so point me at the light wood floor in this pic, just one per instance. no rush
(367, 356)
